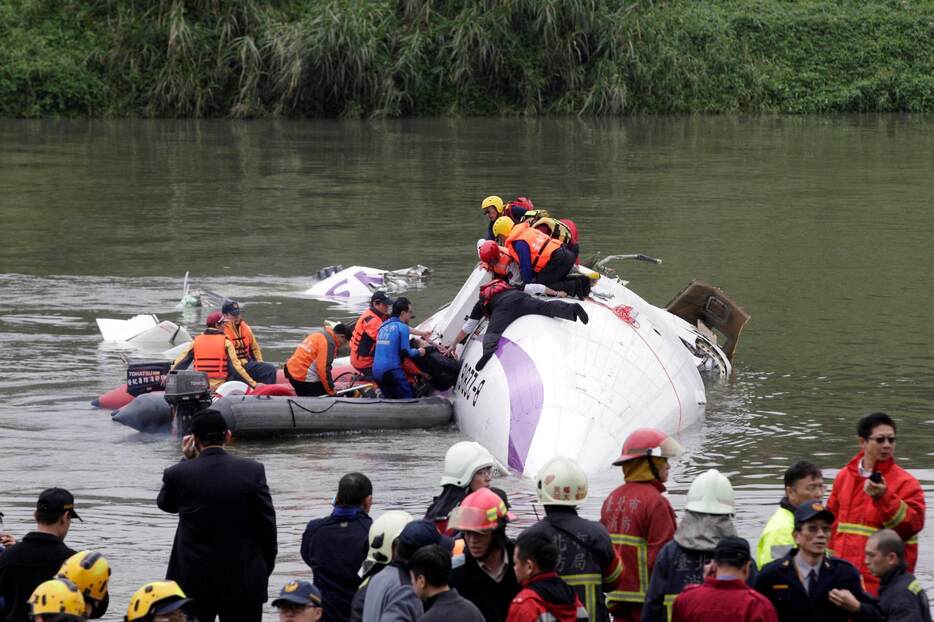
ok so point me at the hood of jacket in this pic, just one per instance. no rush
(701, 532)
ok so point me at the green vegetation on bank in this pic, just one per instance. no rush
(314, 58)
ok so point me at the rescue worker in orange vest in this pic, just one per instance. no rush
(309, 368)
(363, 341)
(214, 354)
(872, 492)
(541, 258)
(240, 334)
(495, 259)
(503, 304)
(494, 208)
(640, 520)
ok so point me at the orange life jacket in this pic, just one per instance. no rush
(500, 267)
(242, 339)
(541, 245)
(489, 291)
(210, 353)
(312, 359)
(367, 325)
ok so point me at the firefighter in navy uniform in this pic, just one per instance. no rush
(502, 304)
(587, 560)
(214, 354)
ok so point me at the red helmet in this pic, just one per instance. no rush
(523, 202)
(488, 251)
(649, 442)
(483, 510)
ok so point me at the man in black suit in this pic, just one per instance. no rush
(225, 544)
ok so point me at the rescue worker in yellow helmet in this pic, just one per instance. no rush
(90, 572)
(160, 601)
(214, 354)
(56, 600)
(494, 208)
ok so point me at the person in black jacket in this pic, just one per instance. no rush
(225, 544)
(901, 597)
(38, 557)
(430, 568)
(335, 546)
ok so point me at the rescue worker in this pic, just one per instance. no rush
(91, 573)
(486, 578)
(502, 304)
(544, 594)
(56, 600)
(494, 208)
(639, 518)
(587, 560)
(392, 344)
(541, 258)
(246, 345)
(363, 340)
(468, 467)
(724, 595)
(160, 601)
(430, 569)
(299, 601)
(214, 354)
(708, 518)
(383, 538)
(901, 597)
(308, 370)
(496, 260)
(800, 583)
(803, 482)
(872, 492)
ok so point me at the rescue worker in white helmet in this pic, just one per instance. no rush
(56, 600)
(587, 560)
(708, 517)
(494, 207)
(639, 518)
(487, 578)
(91, 573)
(384, 538)
(160, 601)
(468, 467)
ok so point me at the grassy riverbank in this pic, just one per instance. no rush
(312, 58)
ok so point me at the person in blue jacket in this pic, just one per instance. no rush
(392, 344)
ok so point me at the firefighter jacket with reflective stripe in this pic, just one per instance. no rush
(546, 598)
(587, 560)
(858, 515)
(363, 341)
(312, 359)
(901, 597)
(777, 538)
(241, 336)
(640, 521)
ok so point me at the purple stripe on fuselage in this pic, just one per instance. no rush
(526, 395)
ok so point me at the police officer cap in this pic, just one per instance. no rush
(298, 593)
(231, 307)
(810, 510)
(732, 550)
(381, 297)
(208, 422)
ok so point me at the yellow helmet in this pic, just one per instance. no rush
(502, 226)
(158, 597)
(493, 201)
(89, 571)
(57, 597)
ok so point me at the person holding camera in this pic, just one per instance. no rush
(872, 492)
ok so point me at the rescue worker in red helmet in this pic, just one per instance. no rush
(494, 207)
(487, 577)
(640, 520)
(495, 259)
(309, 368)
(214, 354)
(468, 467)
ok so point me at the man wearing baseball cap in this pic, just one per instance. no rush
(246, 345)
(39, 555)
(214, 354)
(363, 340)
(799, 584)
(299, 601)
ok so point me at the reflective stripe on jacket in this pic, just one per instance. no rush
(859, 516)
(312, 359)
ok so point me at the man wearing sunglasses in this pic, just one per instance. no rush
(871, 493)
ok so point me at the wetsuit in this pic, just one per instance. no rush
(392, 343)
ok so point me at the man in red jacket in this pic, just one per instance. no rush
(871, 493)
(724, 594)
(544, 595)
(640, 520)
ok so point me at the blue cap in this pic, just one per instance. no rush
(298, 592)
(809, 510)
(231, 306)
(421, 533)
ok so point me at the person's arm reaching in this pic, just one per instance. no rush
(234, 361)
(521, 249)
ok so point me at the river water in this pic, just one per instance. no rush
(819, 226)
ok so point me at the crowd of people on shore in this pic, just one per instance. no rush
(849, 558)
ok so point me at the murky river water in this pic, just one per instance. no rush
(820, 227)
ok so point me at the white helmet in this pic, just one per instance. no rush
(561, 482)
(463, 460)
(711, 493)
(384, 532)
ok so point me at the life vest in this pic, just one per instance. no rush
(541, 245)
(500, 267)
(312, 359)
(555, 228)
(242, 339)
(210, 353)
(489, 291)
(363, 341)
(534, 214)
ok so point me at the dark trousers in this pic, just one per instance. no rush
(557, 268)
(241, 612)
(261, 372)
(510, 305)
(305, 389)
(395, 385)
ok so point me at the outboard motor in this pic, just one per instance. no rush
(188, 392)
